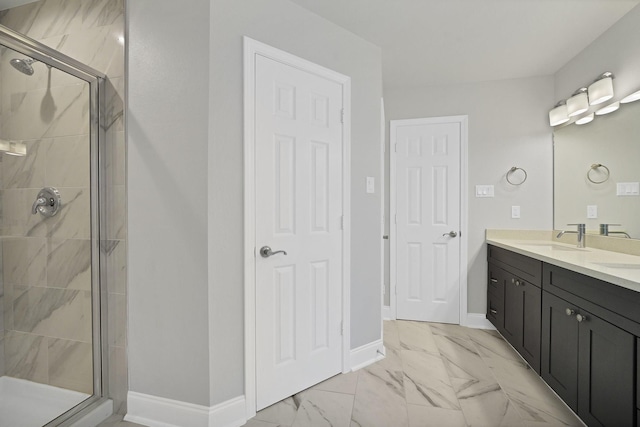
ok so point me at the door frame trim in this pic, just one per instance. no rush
(251, 49)
(464, 211)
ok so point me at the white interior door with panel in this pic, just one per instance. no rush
(299, 236)
(427, 160)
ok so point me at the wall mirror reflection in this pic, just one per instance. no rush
(612, 141)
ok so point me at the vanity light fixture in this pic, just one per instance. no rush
(630, 98)
(586, 119)
(602, 89)
(578, 103)
(608, 109)
(559, 114)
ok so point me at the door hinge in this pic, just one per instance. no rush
(341, 328)
(342, 222)
(342, 116)
(395, 219)
(395, 147)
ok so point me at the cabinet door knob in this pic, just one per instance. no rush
(517, 282)
(581, 318)
(570, 312)
(513, 280)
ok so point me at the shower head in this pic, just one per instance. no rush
(23, 65)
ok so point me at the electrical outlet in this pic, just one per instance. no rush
(515, 212)
(592, 211)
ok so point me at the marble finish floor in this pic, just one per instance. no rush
(434, 375)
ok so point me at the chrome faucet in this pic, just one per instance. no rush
(604, 230)
(582, 230)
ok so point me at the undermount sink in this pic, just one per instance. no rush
(554, 247)
(618, 265)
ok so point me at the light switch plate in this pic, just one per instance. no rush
(515, 212)
(628, 189)
(371, 184)
(592, 211)
(484, 191)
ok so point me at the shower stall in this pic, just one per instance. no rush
(53, 368)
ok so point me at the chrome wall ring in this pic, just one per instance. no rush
(511, 171)
(595, 167)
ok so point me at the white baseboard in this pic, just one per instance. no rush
(367, 354)
(387, 313)
(156, 411)
(478, 321)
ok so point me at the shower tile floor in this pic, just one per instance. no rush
(434, 375)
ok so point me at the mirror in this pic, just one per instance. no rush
(613, 141)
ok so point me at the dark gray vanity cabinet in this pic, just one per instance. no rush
(519, 295)
(589, 361)
(579, 333)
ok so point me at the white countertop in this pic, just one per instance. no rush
(614, 267)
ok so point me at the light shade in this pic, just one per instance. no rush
(578, 103)
(586, 119)
(559, 114)
(608, 109)
(601, 90)
(630, 98)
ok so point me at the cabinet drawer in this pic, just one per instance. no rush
(495, 280)
(495, 310)
(522, 266)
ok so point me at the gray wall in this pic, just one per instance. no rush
(286, 26)
(168, 137)
(507, 127)
(617, 50)
(186, 183)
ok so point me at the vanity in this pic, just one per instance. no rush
(574, 315)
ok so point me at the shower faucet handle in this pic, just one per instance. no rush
(48, 202)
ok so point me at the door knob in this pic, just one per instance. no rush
(451, 234)
(266, 252)
(581, 318)
(570, 312)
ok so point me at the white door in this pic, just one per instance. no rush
(298, 170)
(427, 176)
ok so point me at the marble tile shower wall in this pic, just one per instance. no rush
(46, 262)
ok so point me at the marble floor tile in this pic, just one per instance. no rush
(488, 407)
(449, 330)
(426, 381)
(342, 383)
(390, 334)
(416, 336)
(433, 375)
(461, 358)
(379, 399)
(283, 412)
(257, 423)
(423, 416)
(324, 409)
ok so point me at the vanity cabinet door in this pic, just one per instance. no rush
(531, 324)
(513, 308)
(606, 367)
(559, 361)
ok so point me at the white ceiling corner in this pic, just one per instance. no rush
(428, 42)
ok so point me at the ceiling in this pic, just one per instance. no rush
(429, 42)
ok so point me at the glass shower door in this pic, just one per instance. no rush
(49, 354)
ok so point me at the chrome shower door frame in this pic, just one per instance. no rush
(95, 79)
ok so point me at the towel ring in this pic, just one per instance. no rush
(512, 170)
(596, 166)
